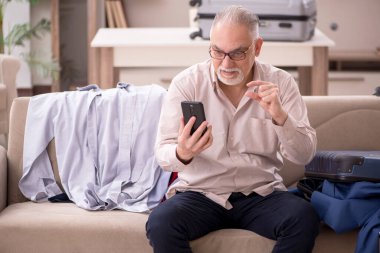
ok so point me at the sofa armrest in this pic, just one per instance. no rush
(3, 178)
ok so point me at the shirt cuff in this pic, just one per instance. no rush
(289, 129)
(175, 163)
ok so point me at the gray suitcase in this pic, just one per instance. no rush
(279, 20)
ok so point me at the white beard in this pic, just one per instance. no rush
(227, 81)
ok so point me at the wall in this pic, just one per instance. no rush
(73, 43)
(357, 24)
(157, 13)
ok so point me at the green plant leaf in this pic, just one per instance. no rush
(21, 32)
(43, 68)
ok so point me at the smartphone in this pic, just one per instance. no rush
(193, 108)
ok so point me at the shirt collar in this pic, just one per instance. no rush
(214, 78)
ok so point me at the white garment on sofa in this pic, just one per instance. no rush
(104, 144)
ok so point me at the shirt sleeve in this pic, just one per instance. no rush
(169, 123)
(297, 138)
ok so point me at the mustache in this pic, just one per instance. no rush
(229, 69)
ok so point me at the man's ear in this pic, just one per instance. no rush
(258, 45)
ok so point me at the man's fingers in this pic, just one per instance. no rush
(209, 142)
(257, 83)
(268, 92)
(260, 86)
(188, 126)
(252, 95)
(198, 133)
(181, 125)
(202, 143)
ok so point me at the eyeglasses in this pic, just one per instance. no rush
(234, 55)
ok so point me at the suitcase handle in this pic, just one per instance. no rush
(195, 2)
(195, 34)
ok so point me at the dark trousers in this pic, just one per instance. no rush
(279, 216)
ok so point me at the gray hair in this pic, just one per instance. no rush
(237, 14)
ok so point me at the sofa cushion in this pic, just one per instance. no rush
(65, 227)
(232, 241)
(345, 122)
(330, 241)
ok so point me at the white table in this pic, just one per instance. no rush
(150, 48)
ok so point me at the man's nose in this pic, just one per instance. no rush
(227, 62)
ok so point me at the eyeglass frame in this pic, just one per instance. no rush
(232, 52)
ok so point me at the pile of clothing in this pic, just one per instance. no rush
(104, 142)
(347, 206)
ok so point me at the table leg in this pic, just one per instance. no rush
(314, 80)
(304, 80)
(319, 71)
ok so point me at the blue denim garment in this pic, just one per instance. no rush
(346, 206)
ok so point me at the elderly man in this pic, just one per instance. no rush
(228, 176)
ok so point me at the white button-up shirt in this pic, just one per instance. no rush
(248, 148)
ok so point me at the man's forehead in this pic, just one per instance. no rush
(240, 46)
(230, 36)
(231, 28)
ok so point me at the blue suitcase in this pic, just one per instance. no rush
(345, 166)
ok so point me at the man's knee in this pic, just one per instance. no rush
(166, 228)
(165, 220)
(304, 218)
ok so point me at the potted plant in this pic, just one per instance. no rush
(19, 34)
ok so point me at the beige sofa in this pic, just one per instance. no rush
(341, 123)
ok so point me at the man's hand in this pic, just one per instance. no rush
(267, 95)
(191, 145)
